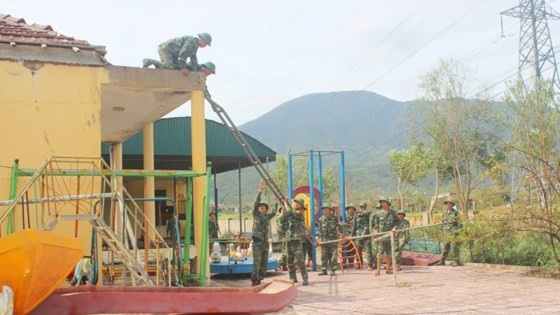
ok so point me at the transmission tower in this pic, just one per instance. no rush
(536, 53)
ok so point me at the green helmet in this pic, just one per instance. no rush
(401, 212)
(210, 65)
(388, 200)
(350, 207)
(327, 205)
(450, 200)
(363, 204)
(207, 38)
(300, 201)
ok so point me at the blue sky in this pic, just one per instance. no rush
(269, 52)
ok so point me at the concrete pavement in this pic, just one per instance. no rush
(470, 289)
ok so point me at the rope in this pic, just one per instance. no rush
(381, 235)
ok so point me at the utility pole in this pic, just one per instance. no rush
(536, 53)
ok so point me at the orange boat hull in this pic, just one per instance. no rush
(34, 263)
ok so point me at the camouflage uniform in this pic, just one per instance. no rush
(402, 238)
(281, 229)
(261, 222)
(384, 222)
(450, 229)
(174, 53)
(348, 230)
(212, 229)
(361, 227)
(307, 248)
(329, 229)
(295, 232)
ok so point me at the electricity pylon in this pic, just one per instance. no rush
(536, 53)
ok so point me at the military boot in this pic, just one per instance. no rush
(333, 273)
(441, 263)
(305, 282)
(293, 277)
(323, 272)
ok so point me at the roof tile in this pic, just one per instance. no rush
(17, 30)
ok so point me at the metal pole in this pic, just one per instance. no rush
(290, 180)
(216, 196)
(394, 259)
(312, 208)
(239, 184)
(342, 187)
(11, 227)
(320, 180)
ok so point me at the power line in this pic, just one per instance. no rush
(414, 52)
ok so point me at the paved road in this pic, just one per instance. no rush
(470, 289)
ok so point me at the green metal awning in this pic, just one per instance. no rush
(172, 147)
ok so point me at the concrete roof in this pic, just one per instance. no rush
(136, 96)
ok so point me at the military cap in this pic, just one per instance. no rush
(363, 204)
(327, 205)
(264, 204)
(450, 200)
(300, 201)
(386, 199)
(206, 37)
(401, 212)
(350, 207)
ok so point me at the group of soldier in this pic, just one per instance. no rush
(293, 233)
(369, 228)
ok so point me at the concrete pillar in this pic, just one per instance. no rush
(198, 138)
(149, 183)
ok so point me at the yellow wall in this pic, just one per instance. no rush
(52, 110)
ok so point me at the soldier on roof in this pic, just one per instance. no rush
(180, 53)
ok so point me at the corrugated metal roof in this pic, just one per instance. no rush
(172, 146)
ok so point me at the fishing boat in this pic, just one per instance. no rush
(26, 261)
(268, 297)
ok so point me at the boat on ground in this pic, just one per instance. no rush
(270, 296)
(419, 259)
(34, 263)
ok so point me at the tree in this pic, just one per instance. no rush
(534, 130)
(458, 130)
(410, 166)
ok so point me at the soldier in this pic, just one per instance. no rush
(294, 223)
(329, 230)
(450, 230)
(347, 229)
(402, 237)
(261, 222)
(175, 52)
(384, 220)
(212, 226)
(361, 228)
(208, 68)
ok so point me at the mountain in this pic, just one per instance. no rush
(365, 125)
(359, 122)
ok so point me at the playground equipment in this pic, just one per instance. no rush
(315, 196)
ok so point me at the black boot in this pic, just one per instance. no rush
(323, 273)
